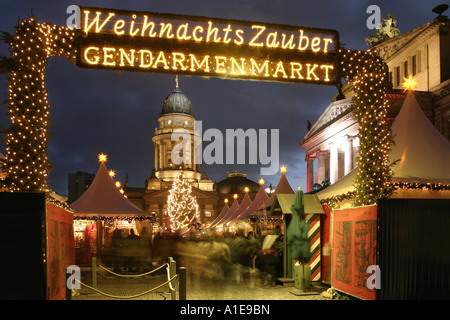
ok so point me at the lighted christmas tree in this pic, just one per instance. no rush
(182, 207)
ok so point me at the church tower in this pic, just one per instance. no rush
(176, 114)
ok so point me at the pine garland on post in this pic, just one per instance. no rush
(27, 164)
(368, 73)
(182, 207)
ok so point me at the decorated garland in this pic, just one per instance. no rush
(112, 218)
(27, 165)
(368, 74)
(331, 201)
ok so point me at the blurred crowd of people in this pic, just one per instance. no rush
(207, 254)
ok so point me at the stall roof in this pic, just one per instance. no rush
(104, 198)
(282, 204)
(282, 187)
(258, 202)
(422, 151)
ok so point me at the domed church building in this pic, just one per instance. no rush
(176, 114)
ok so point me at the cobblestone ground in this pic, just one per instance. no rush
(251, 286)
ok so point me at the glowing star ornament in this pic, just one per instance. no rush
(261, 181)
(102, 157)
(410, 84)
(283, 169)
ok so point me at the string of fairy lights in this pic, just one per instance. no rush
(26, 159)
(182, 207)
(368, 74)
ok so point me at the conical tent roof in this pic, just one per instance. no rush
(232, 210)
(104, 198)
(282, 187)
(260, 198)
(246, 202)
(423, 152)
(222, 213)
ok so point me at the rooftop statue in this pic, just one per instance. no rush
(387, 28)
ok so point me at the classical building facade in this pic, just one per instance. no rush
(331, 144)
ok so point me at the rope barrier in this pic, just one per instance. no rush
(132, 275)
(133, 296)
(169, 282)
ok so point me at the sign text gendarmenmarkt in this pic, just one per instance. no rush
(211, 47)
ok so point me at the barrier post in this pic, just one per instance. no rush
(94, 272)
(182, 283)
(172, 273)
(68, 290)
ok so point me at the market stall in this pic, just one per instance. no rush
(100, 211)
(281, 206)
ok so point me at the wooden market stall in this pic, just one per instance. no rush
(281, 207)
(101, 210)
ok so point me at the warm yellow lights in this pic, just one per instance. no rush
(410, 83)
(112, 174)
(235, 196)
(219, 65)
(118, 184)
(226, 200)
(182, 207)
(283, 169)
(212, 38)
(102, 157)
(208, 31)
(261, 181)
(246, 189)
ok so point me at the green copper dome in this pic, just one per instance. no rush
(176, 102)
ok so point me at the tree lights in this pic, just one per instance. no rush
(182, 207)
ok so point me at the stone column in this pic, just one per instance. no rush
(348, 157)
(156, 156)
(162, 150)
(309, 174)
(321, 174)
(334, 163)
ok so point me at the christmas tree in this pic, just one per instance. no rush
(182, 207)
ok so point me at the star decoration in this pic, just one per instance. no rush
(410, 83)
(102, 157)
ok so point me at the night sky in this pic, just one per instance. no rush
(97, 111)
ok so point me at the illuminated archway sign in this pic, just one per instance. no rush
(191, 45)
(127, 40)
